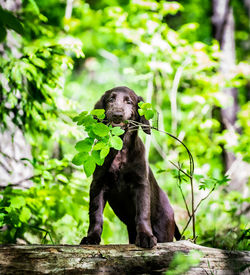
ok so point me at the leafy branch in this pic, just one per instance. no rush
(101, 137)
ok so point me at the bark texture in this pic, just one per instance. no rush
(115, 259)
(223, 21)
(224, 28)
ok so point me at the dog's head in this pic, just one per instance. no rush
(120, 105)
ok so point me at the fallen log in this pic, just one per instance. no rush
(116, 259)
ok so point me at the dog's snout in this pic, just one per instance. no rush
(117, 116)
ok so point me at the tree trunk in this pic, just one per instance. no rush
(115, 259)
(223, 21)
(13, 145)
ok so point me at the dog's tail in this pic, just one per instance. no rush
(177, 233)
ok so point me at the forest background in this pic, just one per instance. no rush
(190, 59)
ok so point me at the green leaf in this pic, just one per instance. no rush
(80, 117)
(62, 178)
(84, 145)
(80, 158)
(198, 177)
(117, 131)
(3, 33)
(101, 129)
(25, 214)
(140, 103)
(98, 160)
(89, 166)
(2, 215)
(34, 6)
(223, 181)
(161, 171)
(99, 113)
(207, 184)
(9, 20)
(38, 62)
(141, 112)
(149, 114)
(17, 202)
(116, 142)
(86, 120)
(104, 152)
(99, 145)
(146, 106)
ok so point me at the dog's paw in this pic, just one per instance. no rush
(91, 239)
(144, 240)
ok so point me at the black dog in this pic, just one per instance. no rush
(126, 181)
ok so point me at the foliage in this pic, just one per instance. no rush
(93, 149)
(182, 262)
(146, 110)
(8, 21)
(165, 52)
(55, 202)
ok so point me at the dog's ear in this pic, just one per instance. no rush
(100, 104)
(143, 120)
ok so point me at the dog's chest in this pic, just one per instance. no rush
(119, 161)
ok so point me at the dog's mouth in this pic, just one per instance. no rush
(118, 124)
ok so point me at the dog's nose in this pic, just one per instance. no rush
(117, 116)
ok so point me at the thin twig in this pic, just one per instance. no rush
(180, 169)
(44, 230)
(183, 197)
(204, 198)
(193, 213)
(135, 126)
(191, 160)
(197, 208)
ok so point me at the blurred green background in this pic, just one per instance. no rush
(57, 59)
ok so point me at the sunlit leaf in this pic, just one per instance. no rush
(99, 145)
(104, 152)
(89, 166)
(116, 142)
(38, 62)
(62, 178)
(101, 129)
(25, 214)
(17, 202)
(117, 131)
(80, 158)
(149, 114)
(99, 113)
(84, 145)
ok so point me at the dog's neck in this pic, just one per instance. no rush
(122, 156)
(129, 138)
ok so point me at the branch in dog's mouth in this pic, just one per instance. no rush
(133, 125)
(120, 124)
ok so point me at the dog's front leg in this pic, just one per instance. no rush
(144, 237)
(96, 206)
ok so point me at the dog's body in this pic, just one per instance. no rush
(126, 181)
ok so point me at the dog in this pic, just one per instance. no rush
(126, 181)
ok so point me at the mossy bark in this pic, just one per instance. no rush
(115, 259)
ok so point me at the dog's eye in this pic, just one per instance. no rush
(129, 101)
(111, 99)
